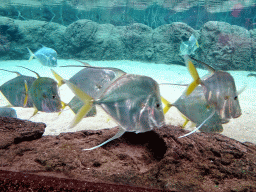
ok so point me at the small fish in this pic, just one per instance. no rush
(15, 90)
(93, 81)
(7, 112)
(189, 47)
(44, 94)
(46, 56)
(195, 108)
(133, 101)
(251, 75)
(219, 90)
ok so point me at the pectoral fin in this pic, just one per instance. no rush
(117, 135)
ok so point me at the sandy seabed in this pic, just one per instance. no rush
(241, 129)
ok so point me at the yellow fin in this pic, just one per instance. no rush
(192, 70)
(88, 100)
(26, 96)
(31, 54)
(167, 104)
(197, 44)
(63, 107)
(35, 112)
(58, 78)
(191, 88)
(186, 121)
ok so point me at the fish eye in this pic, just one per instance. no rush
(54, 96)
(157, 105)
(235, 98)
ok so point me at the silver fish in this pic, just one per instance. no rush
(44, 94)
(196, 108)
(189, 47)
(93, 81)
(133, 101)
(219, 90)
(15, 90)
(46, 56)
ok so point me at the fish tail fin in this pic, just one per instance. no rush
(210, 116)
(26, 94)
(117, 135)
(32, 55)
(193, 72)
(88, 100)
(58, 78)
(167, 104)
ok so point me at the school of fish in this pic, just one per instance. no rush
(132, 101)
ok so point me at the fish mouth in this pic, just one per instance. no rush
(50, 106)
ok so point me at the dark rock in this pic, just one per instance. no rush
(167, 40)
(156, 159)
(137, 39)
(13, 131)
(34, 34)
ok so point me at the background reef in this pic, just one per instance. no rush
(148, 31)
(227, 47)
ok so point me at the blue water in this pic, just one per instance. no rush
(138, 37)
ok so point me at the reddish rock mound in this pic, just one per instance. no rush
(152, 160)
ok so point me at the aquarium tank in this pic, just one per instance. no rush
(128, 95)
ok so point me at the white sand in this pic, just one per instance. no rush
(242, 128)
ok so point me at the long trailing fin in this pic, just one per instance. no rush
(58, 78)
(85, 64)
(210, 116)
(117, 135)
(30, 70)
(19, 74)
(88, 100)
(174, 84)
(26, 94)
(31, 54)
(241, 90)
(209, 68)
(167, 104)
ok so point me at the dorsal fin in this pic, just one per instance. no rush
(209, 68)
(19, 74)
(30, 70)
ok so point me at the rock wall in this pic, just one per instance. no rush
(225, 46)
